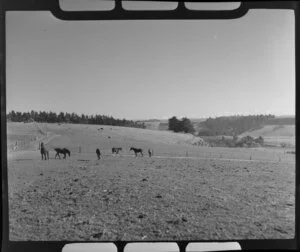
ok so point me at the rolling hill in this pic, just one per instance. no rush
(28, 136)
(275, 135)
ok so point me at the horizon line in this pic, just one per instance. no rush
(158, 118)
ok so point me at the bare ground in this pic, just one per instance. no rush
(127, 198)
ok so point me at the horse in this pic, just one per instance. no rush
(150, 152)
(116, 150)
(98, 153)
(44, 152)
(136, 151)
(63, 151)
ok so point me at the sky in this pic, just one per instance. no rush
(152, 69)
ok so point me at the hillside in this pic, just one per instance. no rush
(275, 134)
(200, 125)
(28, 136)
(281, 120)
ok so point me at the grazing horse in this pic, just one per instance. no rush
(63, 151)
(150, 152)
(44, 152)
(116, 150)
(136, 151)
(98, 153)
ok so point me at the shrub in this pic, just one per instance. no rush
(184, 125)
(283, 145)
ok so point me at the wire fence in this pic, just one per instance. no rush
(230, 154)
(30, 142)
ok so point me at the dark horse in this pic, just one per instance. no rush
(63, 151)
(116, 150)
(98, 153)
(44, 152)
(136, 151)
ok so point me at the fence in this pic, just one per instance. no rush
(232, 153)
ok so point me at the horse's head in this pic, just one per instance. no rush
(131, 148)
(69, 152)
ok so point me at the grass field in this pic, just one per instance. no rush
(275, 134)
(184, 192)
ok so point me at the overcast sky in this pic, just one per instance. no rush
(152, 69)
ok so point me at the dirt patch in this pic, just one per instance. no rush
(130, 199)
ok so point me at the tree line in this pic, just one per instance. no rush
(52, 117)
(232, 125)
(224, 125)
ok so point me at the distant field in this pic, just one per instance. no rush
(183, 192)
(275, 134)
(152, 125)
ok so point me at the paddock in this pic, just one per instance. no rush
(213, 193)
